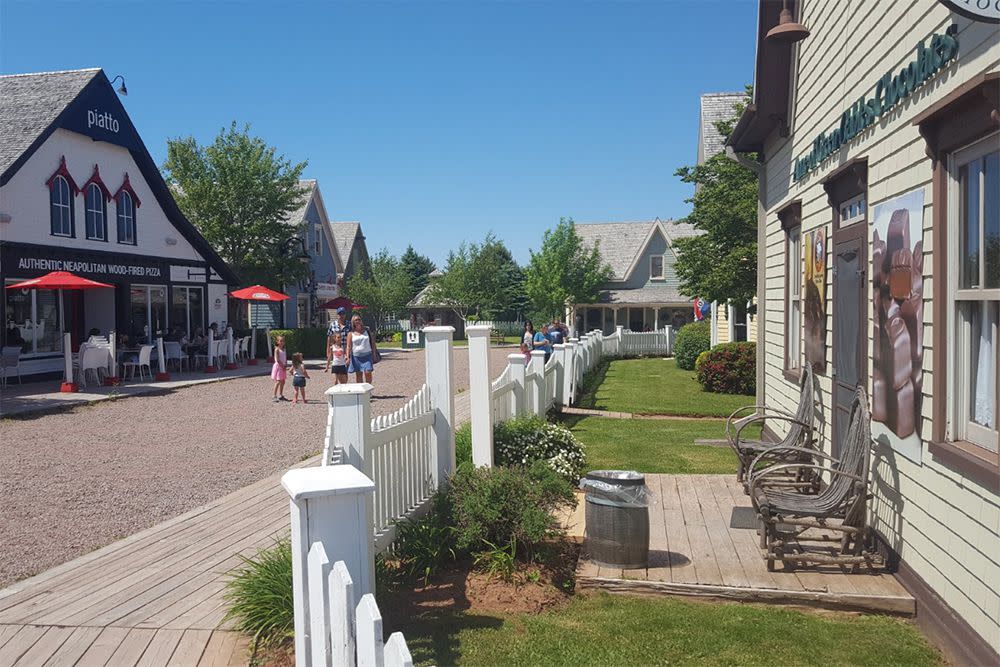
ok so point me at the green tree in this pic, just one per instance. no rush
(720, 264)
(417, 267)
(238, 192)
(383, 291)
(564, 271)
(481, 280)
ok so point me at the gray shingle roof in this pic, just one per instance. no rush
(651, 293)
(28, 105)
(621, 242)
(344, 234)
(715, 107)
(298, 215)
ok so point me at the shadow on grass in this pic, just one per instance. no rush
(434, 638)
(588, 387)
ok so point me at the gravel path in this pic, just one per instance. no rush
(74, 481)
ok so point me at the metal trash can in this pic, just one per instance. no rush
(617, 504)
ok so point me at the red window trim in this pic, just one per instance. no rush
(127, 187)
(95, 179)
(64, 172)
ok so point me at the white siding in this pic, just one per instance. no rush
(945, 526)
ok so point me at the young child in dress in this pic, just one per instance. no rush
(299, 377)
(338, 362)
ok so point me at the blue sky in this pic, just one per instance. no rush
(430, 122)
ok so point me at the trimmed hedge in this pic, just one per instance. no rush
(310, 341)
(729, 368)
(692, 340)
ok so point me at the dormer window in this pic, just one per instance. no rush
(61, 192)
(656, 267)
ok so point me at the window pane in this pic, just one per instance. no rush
(178, 310)
(983, 378)
(969, 177)
(19, 329)
(991, 219)
(158, 309)
(194, 309)
(138, 312)
(48, 332)
(656, 267)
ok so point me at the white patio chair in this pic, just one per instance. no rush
(244, 349)
(221, 351)
(93, 359)
(10, 360)
(172, 352)
(145, 352)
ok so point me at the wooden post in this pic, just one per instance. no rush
(516, 362)
(537, 383)
(210, 367)
(333, 506)
(230, 351)
(348, 430)
(438, 363)
(68, 385)
(480, 394)
(161, 361)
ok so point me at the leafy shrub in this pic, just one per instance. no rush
(526, 440)
(499, 562)
(310, 341)
(259, 593)
(463, 444)
(421, 547)
(729, 368)
(491, 506)
(692, 340)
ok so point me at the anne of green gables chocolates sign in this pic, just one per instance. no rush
(890, 89)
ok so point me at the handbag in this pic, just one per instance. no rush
(376, 357)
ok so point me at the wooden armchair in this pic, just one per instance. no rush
(800, 435)
(840, 507)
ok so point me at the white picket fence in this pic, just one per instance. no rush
(638, 344)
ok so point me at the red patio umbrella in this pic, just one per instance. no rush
(340, 302)
(257, 293)
(62, 280)
(59, 280)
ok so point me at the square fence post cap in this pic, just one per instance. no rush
(350, 388)
(515, 359)
(559, 346)
(537, 353)
(478, 330)
(317, 481)
(438, 330)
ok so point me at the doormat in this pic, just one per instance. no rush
(744, 518)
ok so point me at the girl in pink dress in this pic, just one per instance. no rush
(278, 370)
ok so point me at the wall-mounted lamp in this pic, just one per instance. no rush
(788, 30)
(121, 89)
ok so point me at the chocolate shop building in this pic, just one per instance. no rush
(79, 192)
(875, 130)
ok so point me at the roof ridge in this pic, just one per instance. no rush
(59, 71)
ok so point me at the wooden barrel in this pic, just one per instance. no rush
(617, 519)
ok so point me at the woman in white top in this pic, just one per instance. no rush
(360, 351)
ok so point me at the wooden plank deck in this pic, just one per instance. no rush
(154, 598)
(694, 552)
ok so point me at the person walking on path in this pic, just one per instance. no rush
(528, 340)
(361, 351)
(278, 369)
(338, 360)
(337, 326)
(299, 377)
(541, 342)
(557, 335)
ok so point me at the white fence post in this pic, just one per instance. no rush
(519, 396)
(162, 375)
(210, 352)
(348, 426)
(318, 584)
(537, 383)
(568, 378)
(341, 587)
(480, 394)
(330, 505)
(230, 350)
(438, 363)
(559, 350)
(371, 650)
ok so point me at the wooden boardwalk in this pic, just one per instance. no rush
(154, 598)
(695, 552)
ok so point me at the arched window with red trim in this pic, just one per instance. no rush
(95, 199)
(127, 202)
(62, 189)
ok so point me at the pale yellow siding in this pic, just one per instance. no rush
(944, 525)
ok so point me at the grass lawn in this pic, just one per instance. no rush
(655, 386)
(507, 340)
(610, 630)
(653, 445)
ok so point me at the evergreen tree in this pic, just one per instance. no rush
(417, 267)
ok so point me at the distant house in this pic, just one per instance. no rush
(644, 292)
(730, 321)
(352, 250)
(424, 312)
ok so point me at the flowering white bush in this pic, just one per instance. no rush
(523, 441)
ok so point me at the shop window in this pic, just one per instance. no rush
(126, 218)
(853, 210)
(974, 293)
(61, 204)
(791, 222)
(656, 267)
(147, 313)
(186, 311)
(96, 213)
(34, 319)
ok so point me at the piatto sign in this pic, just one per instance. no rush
(977, 10)
(890, 89)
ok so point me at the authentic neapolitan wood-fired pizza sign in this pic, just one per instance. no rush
(977, 10)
